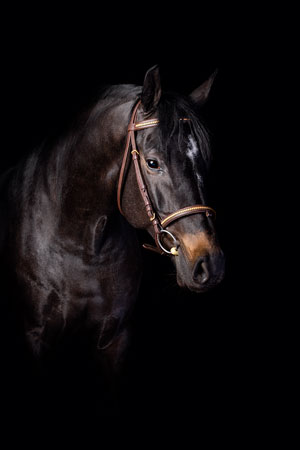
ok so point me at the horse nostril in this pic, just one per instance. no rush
(201, 273)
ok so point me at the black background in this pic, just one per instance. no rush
(191, 355)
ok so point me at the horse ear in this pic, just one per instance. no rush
(200, 95)
(151, 92)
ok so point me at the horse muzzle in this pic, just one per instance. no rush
(202, 273)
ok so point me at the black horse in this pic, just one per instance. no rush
(71, 260)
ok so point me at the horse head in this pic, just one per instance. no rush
(172, 159)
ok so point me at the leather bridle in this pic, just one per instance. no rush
(158, 224)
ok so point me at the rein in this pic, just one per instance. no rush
(157, 223)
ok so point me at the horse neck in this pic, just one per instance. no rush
(92, 166)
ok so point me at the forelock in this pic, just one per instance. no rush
(173, 111)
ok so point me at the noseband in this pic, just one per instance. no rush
(157, 223)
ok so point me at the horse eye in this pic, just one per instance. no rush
(152, 163)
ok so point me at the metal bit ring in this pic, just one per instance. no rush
(173, 251)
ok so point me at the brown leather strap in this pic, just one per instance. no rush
(142, 187)
(153, 249)
(130, 142)
(187, 211)
(144, 124)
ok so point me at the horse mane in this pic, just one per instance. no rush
(172, 107)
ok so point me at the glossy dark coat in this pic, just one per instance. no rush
(73, 262)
